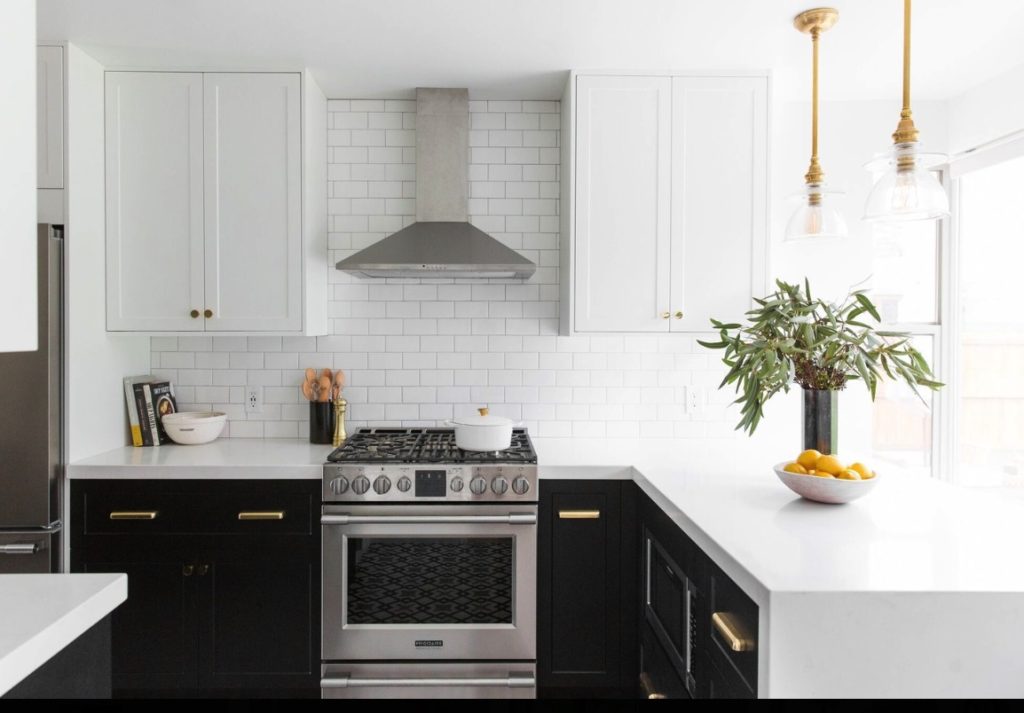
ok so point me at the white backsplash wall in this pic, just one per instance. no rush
(417, 352)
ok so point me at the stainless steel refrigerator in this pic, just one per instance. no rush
(31, 428)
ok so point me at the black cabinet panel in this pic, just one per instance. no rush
(153, 632)
(217, 605)
(587, 579)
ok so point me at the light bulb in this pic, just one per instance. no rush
(816, 216)
(908, 190)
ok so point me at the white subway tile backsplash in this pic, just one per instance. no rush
(417, 352)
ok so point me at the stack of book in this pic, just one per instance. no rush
(149, 399)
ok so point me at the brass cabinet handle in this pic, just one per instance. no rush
(647, 687)
(579, 514)
(679, 314)
(728, 629)
(202, 570)
(134, 515)
(261, 515)
(208, 313)
(194, 314)
(666, 315)
(187, 570)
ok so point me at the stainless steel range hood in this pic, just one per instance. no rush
(441, 243)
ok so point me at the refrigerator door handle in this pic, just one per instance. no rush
(20, 548)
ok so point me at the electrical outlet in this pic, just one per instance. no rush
(254, 399)
(696, 399)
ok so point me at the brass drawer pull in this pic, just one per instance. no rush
(647, 687)
(261, 515)
(727, 628)
(187, 570)
(134, 515)
(579, 514)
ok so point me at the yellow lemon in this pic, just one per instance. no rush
(812, 471)
(849, 475)
(865, 472)
(808, 458)
(795, 468)
(821, 474)
(830, 464)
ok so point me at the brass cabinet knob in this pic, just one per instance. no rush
(208, 313)
(679, 315)
(203, 569)
(187, 570)
(666, 315)
(194, 314)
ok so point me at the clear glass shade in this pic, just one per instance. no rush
(908, 189)
(816, 217)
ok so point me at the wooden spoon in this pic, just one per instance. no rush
(325, 388)
(310, 374)
(326, 372)
(339, 379)
(307, 390)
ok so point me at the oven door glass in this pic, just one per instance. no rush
(430, 580)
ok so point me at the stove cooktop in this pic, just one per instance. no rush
(425, 445)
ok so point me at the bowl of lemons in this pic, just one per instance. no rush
(826, 478)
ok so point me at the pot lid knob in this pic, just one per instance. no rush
(484, 411)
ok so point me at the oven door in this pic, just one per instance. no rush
(429, 582)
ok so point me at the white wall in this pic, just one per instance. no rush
(97, 361)
(18, 176)
(988, 112)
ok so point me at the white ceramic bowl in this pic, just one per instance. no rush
(190, 428)
(825, 490)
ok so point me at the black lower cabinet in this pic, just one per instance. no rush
(223, 583)
(587, 576)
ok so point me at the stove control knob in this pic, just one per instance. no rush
(478, 486)
(457, 484)
(381, 485)
(404, 484)
(499, 485)
(360, 485)
(339, 486)
(520, 485)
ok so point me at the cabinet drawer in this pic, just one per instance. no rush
(191, 507)
(718, 685)
(658, 675)
(733, 627)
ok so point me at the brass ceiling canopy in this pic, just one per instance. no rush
(819, 19)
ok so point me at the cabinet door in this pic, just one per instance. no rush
(719, 191)
(154, 181)
(586, 627)
(253, 202)
(623, 133)
(153, 632)
(260, 620)
(50, 117)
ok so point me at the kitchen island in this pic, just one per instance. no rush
(912, 591)
(55, 633)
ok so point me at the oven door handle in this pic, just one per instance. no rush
(507, 519)
(513, 680)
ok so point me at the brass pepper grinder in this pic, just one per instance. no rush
(340, 407)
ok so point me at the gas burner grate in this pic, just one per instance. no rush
(425, 445)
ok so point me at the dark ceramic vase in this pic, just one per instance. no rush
(321, 422)
(821, 420)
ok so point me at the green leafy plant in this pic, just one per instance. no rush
(793, 337)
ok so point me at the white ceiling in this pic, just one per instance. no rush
(521, 48)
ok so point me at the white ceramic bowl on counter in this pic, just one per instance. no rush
(192, 428)
(825, 490)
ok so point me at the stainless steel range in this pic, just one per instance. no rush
(429, 567)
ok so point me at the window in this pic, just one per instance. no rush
(989, 316)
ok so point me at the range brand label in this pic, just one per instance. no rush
(429, 643)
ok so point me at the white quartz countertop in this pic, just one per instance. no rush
(40, 614)
(911, 534)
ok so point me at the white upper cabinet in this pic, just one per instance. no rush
(623, 170)
(154, 194)
(253, 202)
(50, 117)
(719, 179)
(665, 194)
(205, 204)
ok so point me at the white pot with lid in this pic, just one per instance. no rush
(483, 432)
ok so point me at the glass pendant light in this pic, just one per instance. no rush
(908, 190)
(817, 216)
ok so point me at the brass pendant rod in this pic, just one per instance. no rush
(906, 132)
(814, 173)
